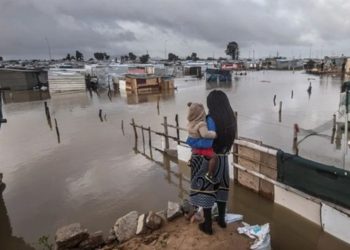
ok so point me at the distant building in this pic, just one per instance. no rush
(347, 66)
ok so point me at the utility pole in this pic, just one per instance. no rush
(48, 45)
(165, 57)
(2, 120)
(345, 150)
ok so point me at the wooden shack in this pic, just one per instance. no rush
(142, 83)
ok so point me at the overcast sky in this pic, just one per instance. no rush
(291, 27)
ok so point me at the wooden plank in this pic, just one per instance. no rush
(257, 147)
(248, 180)
(266, 189)
(269, 172)
(335, 223)
(268, 160)
(249, 164)
(249, 153)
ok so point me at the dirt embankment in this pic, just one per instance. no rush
(181, 234)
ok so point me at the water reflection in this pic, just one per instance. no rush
(7, 240)
(176, 173)
(147, 97)
(289, 231)
(222, 85)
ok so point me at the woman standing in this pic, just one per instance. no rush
(204, 193)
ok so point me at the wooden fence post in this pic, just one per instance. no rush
(150, 142)
(143, 140)
(166, 132)
(334, 128)
(295, 139)
(177, 128)
(100, 115)
(134, 126)
(235, 149)
(158, 99)
(280, 112)
(122, 127)
(57, 132)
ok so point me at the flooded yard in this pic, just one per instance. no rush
(93, 176)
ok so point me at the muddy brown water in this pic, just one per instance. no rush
(93, 176)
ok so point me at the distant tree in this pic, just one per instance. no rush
(144, 58)
(101, 56)
(188, 58)
(116, 59)
(72, 58)
(1, 59)
(79, 56)
(124, 58)
(210, 58)
(91, 59)
(194, 57)
(132, 57)
(68, 57)
(232, 50)
(172, 57)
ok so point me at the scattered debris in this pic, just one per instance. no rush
(230, 218)
(261, 235)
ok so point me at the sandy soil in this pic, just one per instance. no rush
(181, 234)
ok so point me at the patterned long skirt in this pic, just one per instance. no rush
(203, 193)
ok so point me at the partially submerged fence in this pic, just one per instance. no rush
(260, 167)
(140, 130)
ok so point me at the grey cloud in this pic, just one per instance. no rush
(98, 25)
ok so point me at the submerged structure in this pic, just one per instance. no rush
(22, 79)
(140, 83)
(218, 75)
(66, 81)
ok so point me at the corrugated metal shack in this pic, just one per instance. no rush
(18, 79)
(66, 81)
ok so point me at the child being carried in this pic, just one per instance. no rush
(197, 132)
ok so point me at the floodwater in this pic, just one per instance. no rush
(93, 175)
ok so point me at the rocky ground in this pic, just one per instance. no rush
(181, 234)
(167, 229)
